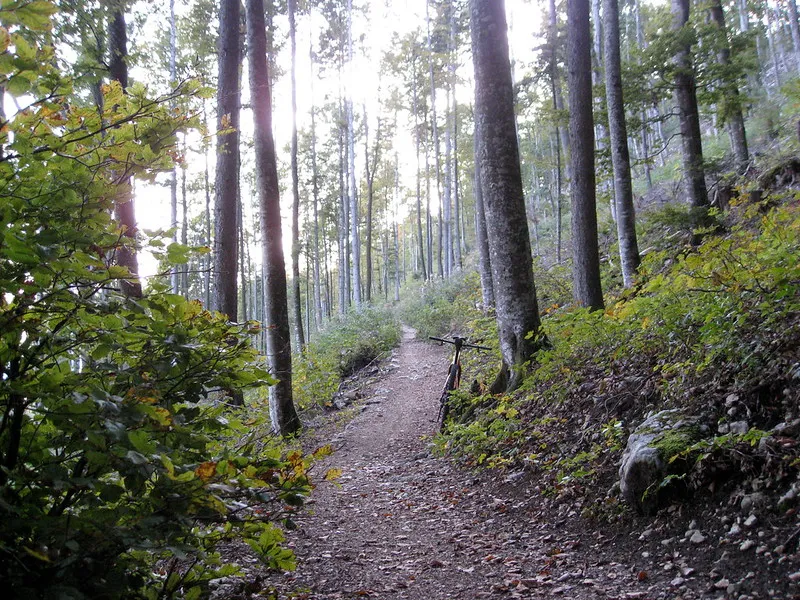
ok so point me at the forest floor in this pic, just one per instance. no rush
(402, 523)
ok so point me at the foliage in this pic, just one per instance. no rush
(436, 308)
(112, 480)
(346, 345)
(704, 322)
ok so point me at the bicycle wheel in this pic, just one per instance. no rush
(453, 379)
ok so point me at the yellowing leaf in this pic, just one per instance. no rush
(36, 554)
(332, 474)
(206, 470)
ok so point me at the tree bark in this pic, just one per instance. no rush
(585, 253)
(417, 142)
(279, 347)
(689, 117)
(318, 310)
(226, 184)
(436, 156)
(501, 187)
(620, 156)
(296, 296)
(124, 205)
(355, 242)
(731, 100)
(484, 259)
(173, 181)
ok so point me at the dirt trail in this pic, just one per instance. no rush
(401, 523)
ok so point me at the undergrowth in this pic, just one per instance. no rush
(347, 344)
(704, 324)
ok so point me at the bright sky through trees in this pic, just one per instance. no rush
(374, 31)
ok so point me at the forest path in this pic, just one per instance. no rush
(401, 523)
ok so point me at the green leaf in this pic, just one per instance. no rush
(140, 439)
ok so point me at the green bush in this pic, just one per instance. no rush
(718, 317)
(347, 344)
(436, 308)
(113, 481)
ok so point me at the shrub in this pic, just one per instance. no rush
(113, 482)
(347, 344)
(436, 308)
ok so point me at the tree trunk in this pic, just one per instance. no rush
(686, 97)
(458, 231)
(447, 222)
(794, 26)
(319, 312)
(296, 296)
(620, 157)
(355, 242)
(279, 347)
(344, 219)
(207, 261)
(585, 254)
(173, 181)
(124, 206)
(370, 173)
(501, 188)
(484, 259)
(436, 156)
(417, 142)
(731, 99)
(226, 185)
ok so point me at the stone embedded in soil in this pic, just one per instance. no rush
(697, 538)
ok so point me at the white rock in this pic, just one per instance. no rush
(697, 538)
(677, 582)
(734, 530)
(750, 521)
(746, 545)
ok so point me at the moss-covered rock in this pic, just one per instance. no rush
(647, 463)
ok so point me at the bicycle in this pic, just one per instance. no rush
(453, 376)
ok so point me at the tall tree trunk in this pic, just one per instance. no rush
(297, 298)
(689, 117)
(731, 100)
(173, 181)
(562, 139)
(355, 242)
(344, 219)
(457, 242)
(226, 185)
(207, 260)
(124, 205)
(436, 156)
(184, 270)
(585, 253)
(501, 187)
(620, 157)
(555, 78)
(484, 258)
(417, 142)
(447, 223)
(794, 26)
(319, 311)
(279, 346)
(370, 174)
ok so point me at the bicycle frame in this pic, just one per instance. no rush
(453, 375)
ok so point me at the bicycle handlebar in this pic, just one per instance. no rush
(459, 341)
